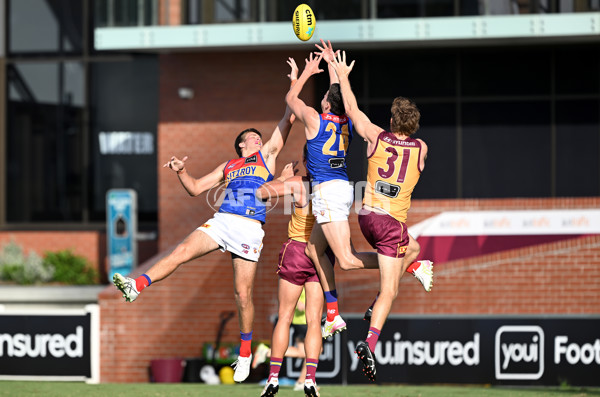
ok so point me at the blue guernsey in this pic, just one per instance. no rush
(327, 151)
(242, 177)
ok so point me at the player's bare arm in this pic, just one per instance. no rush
(423, 157)
(195, 186)
(287, 184)
(273, 146)
(308, 115)
(271, 149)
(362, 124)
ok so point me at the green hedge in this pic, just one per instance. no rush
(56, 267)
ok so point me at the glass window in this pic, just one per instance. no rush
(439, 8)
(412, 74)
(571, 64)
(233, 11)
(124, 118)
(44, 142)
(125, 12)
(577, 148)
(45, 26)
(506, 72)
(399, 8)
(438, 130)
(506, 149)
(282, 10)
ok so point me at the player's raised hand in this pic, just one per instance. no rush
(294, 72)
(289, 170)
(176, 164)
(327, 50)
(312, 64)
(339, 64)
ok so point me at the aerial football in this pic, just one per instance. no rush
(304, 22)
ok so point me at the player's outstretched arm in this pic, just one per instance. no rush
(362, 124)
(195, 186)
(328, 55)
(287, 184)
(304, 113)
(274, 145)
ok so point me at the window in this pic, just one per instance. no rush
(506, 149)
(577, 148)
(45, 26)
(44, 132)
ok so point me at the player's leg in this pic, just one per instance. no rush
(423, 269)
(288, 295)
(193, 246)
(244, 272)
(313, 341)
(316, 250)
(391, 271)
(337, 235)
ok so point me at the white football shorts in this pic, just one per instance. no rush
(332, 202)
(236, 234)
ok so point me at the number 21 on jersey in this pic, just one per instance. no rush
(336, 142)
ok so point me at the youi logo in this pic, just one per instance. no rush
(519, 352)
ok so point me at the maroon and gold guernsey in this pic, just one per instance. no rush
(301, 223)
(392, 174)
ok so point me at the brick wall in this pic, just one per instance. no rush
(175, 317)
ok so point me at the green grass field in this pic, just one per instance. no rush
(66, 389)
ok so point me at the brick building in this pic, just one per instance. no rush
(477, 105)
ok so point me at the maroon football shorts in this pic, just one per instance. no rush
(295, 267)
(385, 233)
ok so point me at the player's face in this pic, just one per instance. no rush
(253, 142)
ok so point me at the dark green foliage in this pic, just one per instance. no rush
(70, 268)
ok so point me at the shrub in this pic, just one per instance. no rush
(71, 268)
(21, 269)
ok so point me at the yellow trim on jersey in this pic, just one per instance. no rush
(256, 170)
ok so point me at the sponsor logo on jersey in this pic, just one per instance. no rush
(337, 162)
(251, 159)
(244, 171)
(335, 119)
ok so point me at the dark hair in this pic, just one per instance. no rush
(240, 138)
(405, 116)
(305, 152)
(334, 97)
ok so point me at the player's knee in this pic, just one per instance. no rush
(285, 318)
(414, 248)
(310, 251)
(243, 298)
(390, 292)
(344, 264)
(181, 252)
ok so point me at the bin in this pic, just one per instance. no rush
(167, 370)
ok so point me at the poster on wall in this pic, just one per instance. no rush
(121, 229)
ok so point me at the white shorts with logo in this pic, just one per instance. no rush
(236, 234)
(332, 202)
